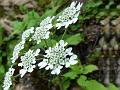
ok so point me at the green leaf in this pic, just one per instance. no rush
(89, 84)
(77, 69)
(18, 26)
(1, 35)
(56, 81)
(0, 58)
(89, 68)
(50, 43)
(112, 87)
(66, 85)
(48, 12)
(75, 39)
(82, 80)
(23, 8)
(31, 19)
(2, 71)
(94, 85)
(71, 75)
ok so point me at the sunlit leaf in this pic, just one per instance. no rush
(71, 75)
(89, 68)
(74, 39)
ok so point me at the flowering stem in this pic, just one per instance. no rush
(16, 75)
(39, 59)
(46, 43)
(51, 41)
(52, 4)
(60, 83)
(64, 34)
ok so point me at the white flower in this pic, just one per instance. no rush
(42, 32)
(7, 79)
(17, 50)
(69, 15)
(28, 61)
(20, 45)
(58, 57)
(47, 23)
(27, 33)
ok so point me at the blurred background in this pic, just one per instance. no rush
(99, 23)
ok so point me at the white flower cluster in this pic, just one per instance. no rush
(69, 15)
(42, 32)
(57, 57)
(28, 61)
(27, 33)
(7, 79)
(20, 45)
(16, 50)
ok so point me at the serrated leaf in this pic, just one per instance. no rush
(71, 75)
(75, 39)
(89, 68)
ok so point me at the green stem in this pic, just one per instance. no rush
(60, 83)
(14, 64)
(51, 41)
(16, 75)
(64, 34)
(46, 43)
(53, 4)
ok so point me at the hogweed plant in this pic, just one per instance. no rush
(55, 58)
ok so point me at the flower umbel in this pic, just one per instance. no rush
(27, 33)
(28, 61)
(42, 32)
(69, 15)
(20, 45)
(7, 79)
(17, 50)
(57, 57)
